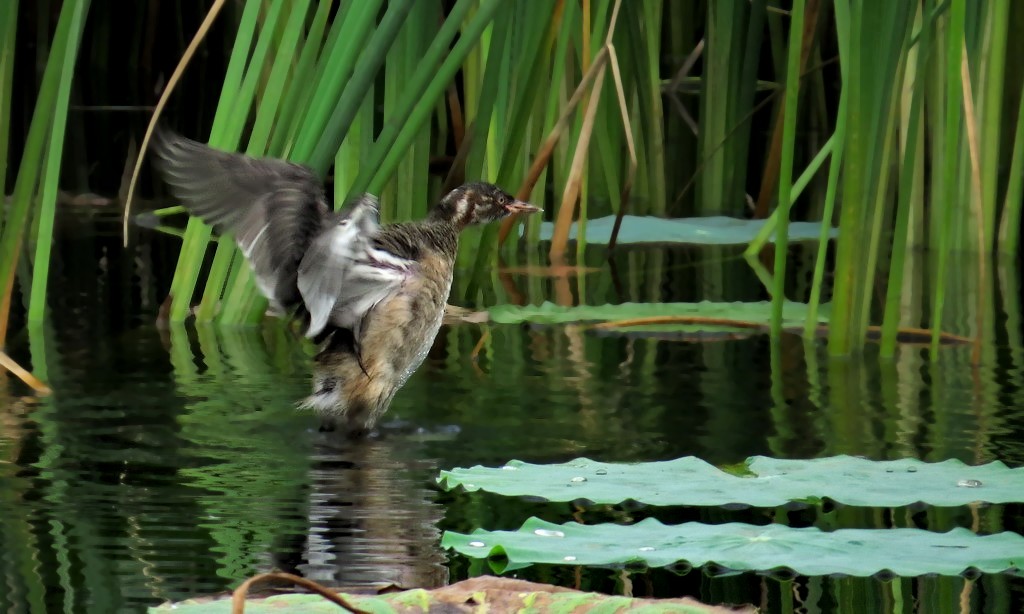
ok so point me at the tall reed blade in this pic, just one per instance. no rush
(34, 156)
(796, 28)
(432, 77)
(349, 34)
(8, 36)
(947, 200)
(241, 301)
(871, 38)
(901, 230)
(370, 60)
(197, 234)
(75, 12)
(1009, 226)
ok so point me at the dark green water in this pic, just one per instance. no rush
(173, 463)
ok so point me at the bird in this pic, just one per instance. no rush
(372, 296)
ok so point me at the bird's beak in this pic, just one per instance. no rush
(518, 206)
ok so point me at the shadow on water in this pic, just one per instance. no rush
(171, 463)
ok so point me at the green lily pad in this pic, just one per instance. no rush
(765, 482)
(759, 312)
(744, 547)
(714, 230)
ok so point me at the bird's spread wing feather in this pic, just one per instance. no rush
(273, 207)
(343, 275)
(324, 270)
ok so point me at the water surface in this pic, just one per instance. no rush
(170, 463)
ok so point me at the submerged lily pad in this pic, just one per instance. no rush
(744, 547)
(759, 312)
(765, 482)
(714, 230)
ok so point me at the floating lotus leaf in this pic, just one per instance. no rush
(793, 314)
(761, 482)
(713, 230)
(744, 547)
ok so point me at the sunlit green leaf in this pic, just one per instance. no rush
(714, 230)
(763, 482)
(743, 547)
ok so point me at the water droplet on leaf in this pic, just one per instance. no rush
(569, 558)
(477, 544)
(969, 483)
(578, 479)
(601, 472)
(548, 533)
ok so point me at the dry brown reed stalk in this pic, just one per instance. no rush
(591, 74)
(548, 146)
(164, 96)
(909, 335)
(627, 185)
(571, 194)
(977, 208)
(21, 373)
(239, 594)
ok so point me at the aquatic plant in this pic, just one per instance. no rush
(761, 482)
(596, 107)
(28, 223)
(903, 70)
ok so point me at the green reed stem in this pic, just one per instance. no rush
(901, 230)
(878, 210)
(1009, 227)
(226, 249)
(371, 59)
(8, 32)
(796, 28)
(304, 73)
(847, 30)
(32, 159)
(197, 234)
(801, 183)
(838, 141)
(339, 63)
(65, 55)
(285, 62)
(242, 303)
(948, 200)
(416, 95)
(992, 73)
(532, 62)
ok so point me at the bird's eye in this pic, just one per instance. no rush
(502, 200)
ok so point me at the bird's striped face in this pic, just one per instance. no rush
(481, 203)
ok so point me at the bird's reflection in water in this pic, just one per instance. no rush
(372, 520)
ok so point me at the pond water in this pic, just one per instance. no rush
(172, 462)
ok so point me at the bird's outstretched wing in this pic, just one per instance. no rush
(343, 275)
(273, 207)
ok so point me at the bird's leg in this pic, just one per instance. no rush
(359, 357)
(357, 345)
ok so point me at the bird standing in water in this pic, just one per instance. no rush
(372, 295)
